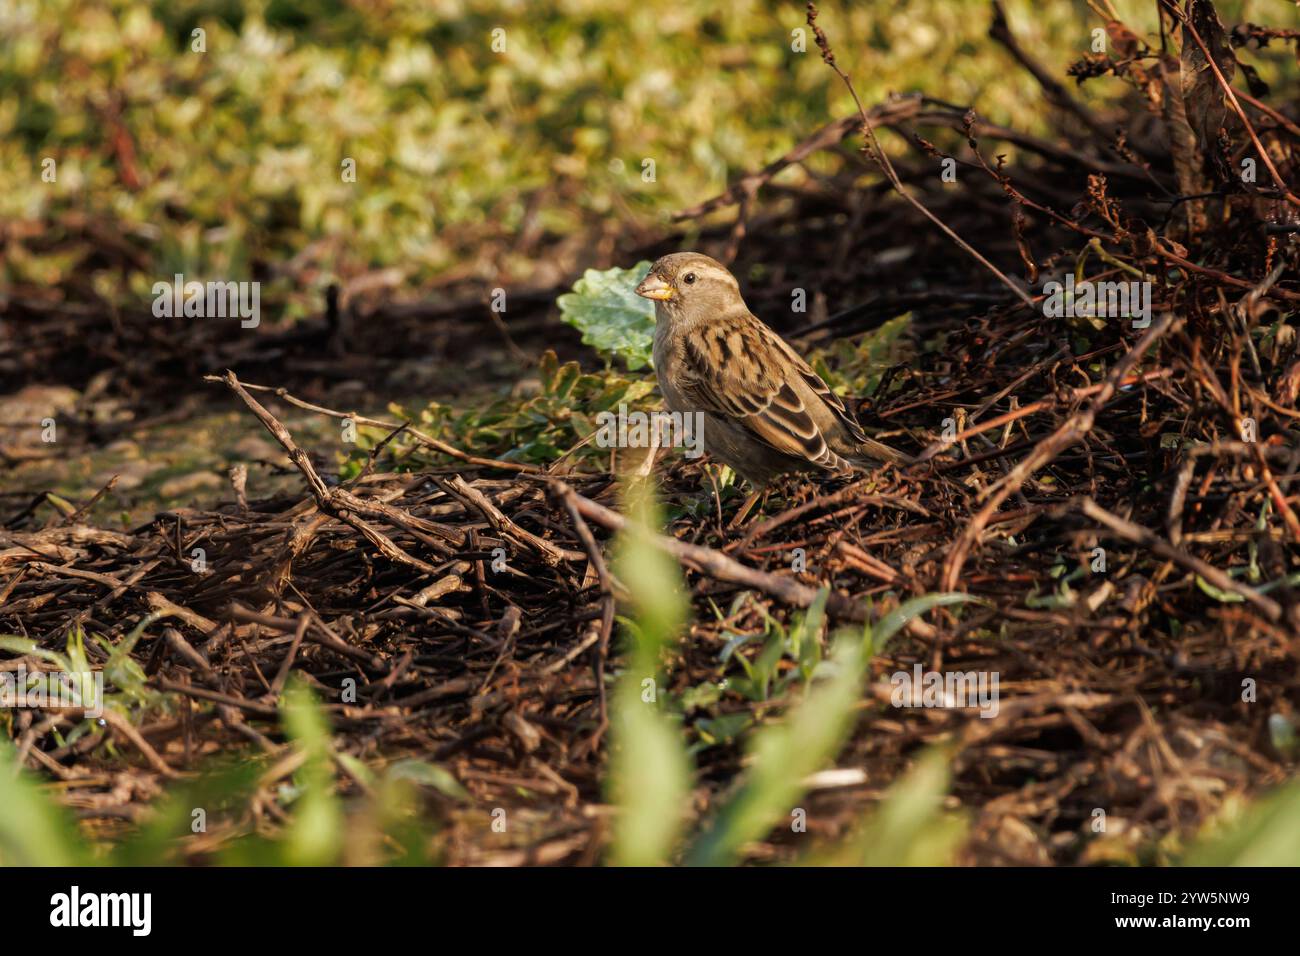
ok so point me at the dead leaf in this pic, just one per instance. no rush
(1203, 94)
(1124, 41)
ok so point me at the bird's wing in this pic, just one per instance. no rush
(834, 404)
(739, 368)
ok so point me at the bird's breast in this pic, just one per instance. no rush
(667, 367)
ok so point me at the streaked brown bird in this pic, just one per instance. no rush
(766, 412)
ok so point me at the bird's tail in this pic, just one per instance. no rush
(873, 450)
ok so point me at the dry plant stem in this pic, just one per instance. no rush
(1073, 430)
(712, 563)
(187, 651)
(828, 135)
(1236, 106)
(1031, 409)
(428, 440)
(516, 352)
(853, 493)
(90, 502)
(123, 727)
(1000, 30)
(882, 160)
(216, 697)
(911, 108)
(1149, 539)
(338, 502)
(716, 565)
(1271, 113)
(325, 638)
(471, 497)
(34, 733)
(570, 499)
(1279, 498)
(166, 608)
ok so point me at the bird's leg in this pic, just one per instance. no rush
(648, 463)
(717, 494)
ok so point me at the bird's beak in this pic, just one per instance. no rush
(655, 286)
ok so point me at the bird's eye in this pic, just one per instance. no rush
(690, 278)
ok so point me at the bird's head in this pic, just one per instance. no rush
(690, 284)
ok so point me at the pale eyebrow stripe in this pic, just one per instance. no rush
(721, 273)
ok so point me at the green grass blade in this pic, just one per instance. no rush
(1266, 834)
(650, 772)
(909, 827)
(315, 835)
(784, 754)
(33, 831)
(897, 619)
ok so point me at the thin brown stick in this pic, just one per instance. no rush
(1231, 95)
(422, 437)
(569, 498)
(878, 155)
(721, 567)
(1072, 431)
(1149, 539)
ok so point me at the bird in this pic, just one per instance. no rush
(766, 413)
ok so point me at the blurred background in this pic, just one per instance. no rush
(500, 165)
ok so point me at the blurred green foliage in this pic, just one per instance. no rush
(650, 772)
(386, 826)
(218, 160)
(650, 779)
(126, 688)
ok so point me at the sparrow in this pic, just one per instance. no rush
(765, 411)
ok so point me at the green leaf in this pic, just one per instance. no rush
(650, 778)
(1226, 597)
(860, 363)
(805, 636)
(716, 730)
(897, 619)
(612, 318)
(121, 670)
(77, 651)
(768, 659)
(651, 575)
(26, 646)
(429, 774)
(650, 771)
